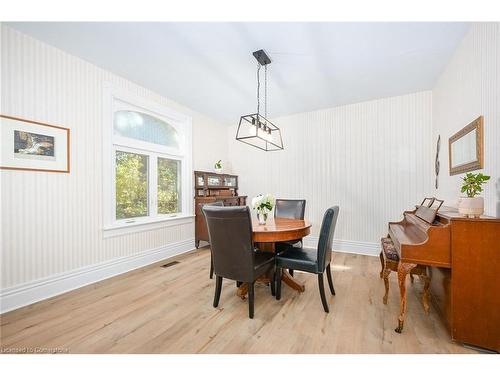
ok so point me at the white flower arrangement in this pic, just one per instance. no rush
(263, 203)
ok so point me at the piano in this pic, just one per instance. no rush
(462, 256)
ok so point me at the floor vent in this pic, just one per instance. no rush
(170, 264)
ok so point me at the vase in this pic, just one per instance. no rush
(262, 217)
(218, 170)
(471, 207)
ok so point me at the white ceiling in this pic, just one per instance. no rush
(209, 67)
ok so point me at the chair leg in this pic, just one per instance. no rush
(290, 272)
(387, 271)
(322, 292)
(425, 296)
(278, 283)
(330, 281)
(250, 299)
(382, 262)
(211, 266)
(218, 288)
(273, 283)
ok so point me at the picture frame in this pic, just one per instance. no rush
(465, 148)
(29, 145)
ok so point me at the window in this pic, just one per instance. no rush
(147, 163)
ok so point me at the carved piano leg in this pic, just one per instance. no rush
(403, 270)
(425, 296)
(382, 262)
(386, 272)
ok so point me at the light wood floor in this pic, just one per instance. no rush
(169, 310)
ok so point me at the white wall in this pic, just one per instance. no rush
(52, 222)
(470, 87)
(373, 159)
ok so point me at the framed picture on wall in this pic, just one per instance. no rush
(33, 146)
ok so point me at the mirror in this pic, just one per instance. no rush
(466, 148)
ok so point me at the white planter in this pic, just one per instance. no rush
(218, 170)
(471, 206)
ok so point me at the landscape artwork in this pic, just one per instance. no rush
(34, 146)
(29, 145)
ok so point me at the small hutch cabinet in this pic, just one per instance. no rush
(211, 187)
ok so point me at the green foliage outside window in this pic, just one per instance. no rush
(168, 189)
(131, 185)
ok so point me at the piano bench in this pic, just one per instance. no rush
(389, 249)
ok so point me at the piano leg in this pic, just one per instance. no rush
(403, 270)
(425, 296)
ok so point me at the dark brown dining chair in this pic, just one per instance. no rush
(289, 209)
(233, 253)
(312, 260)
(217, 204)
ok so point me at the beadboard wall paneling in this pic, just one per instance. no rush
(470, 87)
(373, 159)
(52, 222)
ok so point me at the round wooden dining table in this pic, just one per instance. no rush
(265, 236)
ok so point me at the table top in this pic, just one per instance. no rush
(280, 229)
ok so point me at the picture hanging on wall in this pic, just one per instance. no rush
(33, 146)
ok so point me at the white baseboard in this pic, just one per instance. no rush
(346, 246)
(25, 294)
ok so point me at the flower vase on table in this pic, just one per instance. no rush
(263, 204)
(262, 217)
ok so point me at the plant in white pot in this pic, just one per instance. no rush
(218, 166)
(472, 205)
(263, 204)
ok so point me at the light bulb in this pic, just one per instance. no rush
(261, 133)
(252, 130)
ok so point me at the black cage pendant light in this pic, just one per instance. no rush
(255, 129)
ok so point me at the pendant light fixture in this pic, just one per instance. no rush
(255, 129)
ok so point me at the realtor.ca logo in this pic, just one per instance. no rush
(33, 350)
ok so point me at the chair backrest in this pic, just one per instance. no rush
(230, 235)
(290, 208)
(326, 237)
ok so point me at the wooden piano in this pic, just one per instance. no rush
(463, 259)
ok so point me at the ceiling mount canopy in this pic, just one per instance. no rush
(255, 129)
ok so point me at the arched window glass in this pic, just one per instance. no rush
(146, 128)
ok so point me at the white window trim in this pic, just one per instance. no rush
(181, 123)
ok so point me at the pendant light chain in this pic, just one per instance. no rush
(258, 88)
(265, 92)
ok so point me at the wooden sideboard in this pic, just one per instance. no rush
(211, 187)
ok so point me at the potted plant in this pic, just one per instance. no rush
(218, 166)
(263, 204)
(472, 205)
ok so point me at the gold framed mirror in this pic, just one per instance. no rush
(466, 148)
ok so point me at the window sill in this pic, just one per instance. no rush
(121, 229)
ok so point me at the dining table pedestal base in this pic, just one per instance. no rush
(286, 278)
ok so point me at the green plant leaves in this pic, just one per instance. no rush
(472, 183)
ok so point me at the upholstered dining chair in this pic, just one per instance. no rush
(233, 253)
(315, 261)
(219, 204)
(289, 209)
